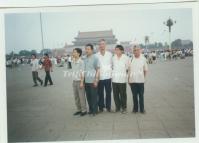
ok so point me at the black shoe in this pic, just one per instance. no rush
(143, 112)
(51, 84)
(83, 113)
(41, 82)
(45, 85)
(35, 85)
(134, 111)
(77, 113)
(124, 111)
(109, 110)
(100, 111)
(117, 110)
(89, 112)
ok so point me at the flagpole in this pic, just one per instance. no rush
(42, 37)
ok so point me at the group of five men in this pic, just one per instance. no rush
(105, 71)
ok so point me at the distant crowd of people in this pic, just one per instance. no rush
(173, 54)
(151, 57)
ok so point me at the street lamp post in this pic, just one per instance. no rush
(169, 23)
(146, 40)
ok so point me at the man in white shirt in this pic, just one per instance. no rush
(119, 78)
(137, 73)
(35, 66)
(105, 61)
(154, 56)
(69, 61)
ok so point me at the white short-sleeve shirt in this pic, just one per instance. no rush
(137, 67)
(105, 62)
(35, 64)
(120, 66)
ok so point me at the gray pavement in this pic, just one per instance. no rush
(46, 113)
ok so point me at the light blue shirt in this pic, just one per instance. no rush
(91, 65)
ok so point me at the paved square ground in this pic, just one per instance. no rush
(46, 113)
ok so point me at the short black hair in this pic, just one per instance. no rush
(89, 45)
(46, 55)
(33, 54)
(79, 51)
(120, 47)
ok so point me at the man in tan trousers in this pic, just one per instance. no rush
(78, 82)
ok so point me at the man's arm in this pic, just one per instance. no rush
(43, 64)
(145, 73)
(96, 77)
(82, 76)
(129, 70)
(145, 68)
(97, 74)
(37, 65)
(82, 80)
(51, 66)
(97, 68)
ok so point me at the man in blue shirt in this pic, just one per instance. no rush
(91, 79)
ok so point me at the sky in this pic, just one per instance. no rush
(23, 30)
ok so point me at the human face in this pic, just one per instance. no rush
(45, 57)
(136, 51)
(118, 52)
(75, 54)
(33, 57)
(102, 46)
(89, 51)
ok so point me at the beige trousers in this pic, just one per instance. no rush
(79, 95)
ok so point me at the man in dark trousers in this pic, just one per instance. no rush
(47, 65)
(119, 79)
(35, 66)
(91, 79)
(137, 73)
(105, 61)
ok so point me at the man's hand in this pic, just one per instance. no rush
(81, 85)
(41, 67)
(129, 80)
(95, 84)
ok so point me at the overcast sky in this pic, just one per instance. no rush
(23, 30)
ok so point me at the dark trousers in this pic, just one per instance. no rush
(69, 65)
(35, 77)
(104, 84)
(91, 95)
(48, 78)
(138, 91)
(119, 94)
